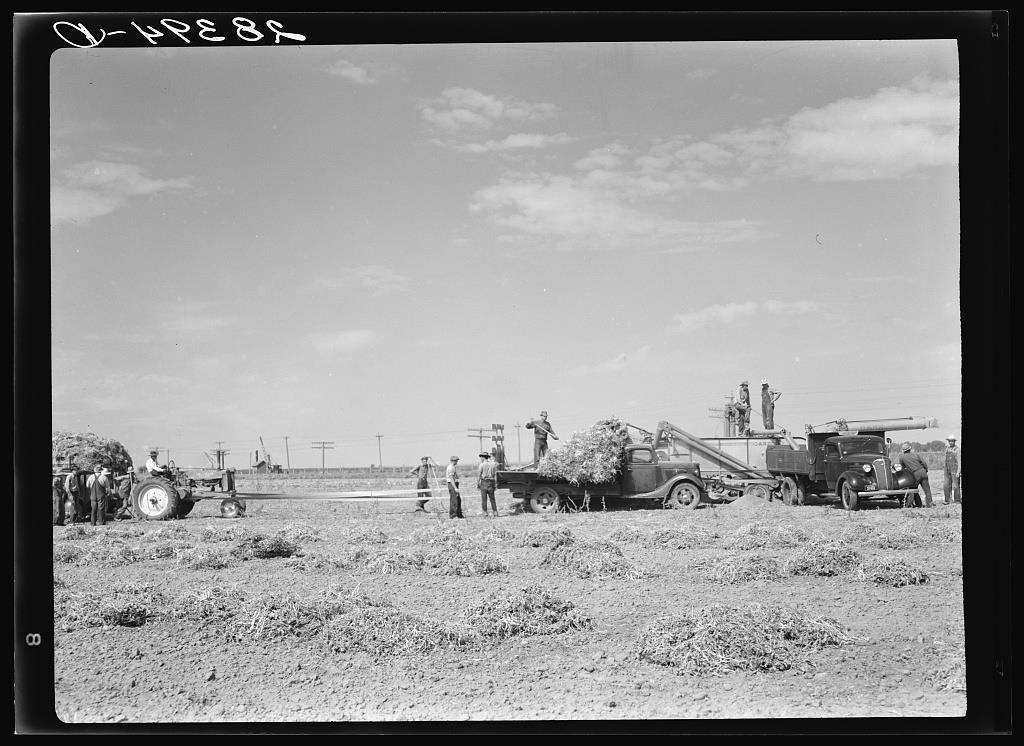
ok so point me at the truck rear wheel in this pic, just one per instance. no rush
(154, 499)
(683, 495)
(792, 493)
(849, 496)
(544, 500)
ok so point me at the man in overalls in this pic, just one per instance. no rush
(422, 472)
(951, 471)
(768, 399)
(99, 488)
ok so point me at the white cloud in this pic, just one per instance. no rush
(376, 278)
(351, 72)
(95, 188)
(515, 142)
(608, 156)
(460, 109)
(346, 341)
(578, 213)
(727, 313)
(615, 364)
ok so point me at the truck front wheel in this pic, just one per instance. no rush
(683, 495)
(544, 500)
(849, 496)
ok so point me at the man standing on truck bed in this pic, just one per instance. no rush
(541, 429)
(768, 399)
(422, 472)
(742, 407)
(951, 471)
(451, 476)
(916, 465)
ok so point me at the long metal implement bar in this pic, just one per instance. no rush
(414, 494)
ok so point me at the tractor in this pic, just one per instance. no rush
(174, 494)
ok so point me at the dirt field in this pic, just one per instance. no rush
(368, 612)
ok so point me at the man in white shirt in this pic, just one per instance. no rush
(451, 476)
(152, 467)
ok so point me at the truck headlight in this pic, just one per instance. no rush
(866, 468)
(897, 467)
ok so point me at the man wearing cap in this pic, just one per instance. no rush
(742, 408)
(451, 477)
(99, 488)
(951, 471)
(422, 472)
(486, 482)
(916, 466)
(768, 399)
(541, 430)
(152, 467)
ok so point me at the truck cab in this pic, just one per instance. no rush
(852, 467)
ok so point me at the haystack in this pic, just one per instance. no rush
(594, 456)
(86, 450)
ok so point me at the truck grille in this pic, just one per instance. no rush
(883, 475)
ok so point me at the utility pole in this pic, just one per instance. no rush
(380, 458)
(519, 443)
(221, 453)
(287, 456)
(726, 416)
(323, 445)
(479, 434)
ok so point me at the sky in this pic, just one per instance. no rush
(332, 243)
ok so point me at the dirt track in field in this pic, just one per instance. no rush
(904, 656)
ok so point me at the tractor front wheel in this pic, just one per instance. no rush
(154, 499)
(232, 508)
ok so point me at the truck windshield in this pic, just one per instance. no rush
(866, 445)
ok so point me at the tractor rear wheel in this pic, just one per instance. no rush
(154, 499)
(544, 500)
(683, 495)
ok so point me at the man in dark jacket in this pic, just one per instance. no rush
(915, 465)
(541, 430)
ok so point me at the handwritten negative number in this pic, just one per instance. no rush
(245, 29)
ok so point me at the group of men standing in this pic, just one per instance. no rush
(915, 463)
(487, 480)
(98, 488)
(742, 406)
(487, 473)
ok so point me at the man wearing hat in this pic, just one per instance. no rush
(768, 399)
(742, 408)
(152, 467)
(486, 482)
(99, 487)
(451, 477)
(422, 472)
(541, 430)
(951, 471)
(916, 466)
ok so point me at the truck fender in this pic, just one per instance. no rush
(855, 479)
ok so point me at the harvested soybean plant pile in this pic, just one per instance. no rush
(593, 455)
(370, 612)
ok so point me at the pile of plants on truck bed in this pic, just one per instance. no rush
(595, 455)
